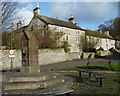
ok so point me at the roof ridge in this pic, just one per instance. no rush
(58, 22)
(93, 33)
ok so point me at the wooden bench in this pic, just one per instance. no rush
(98, 76)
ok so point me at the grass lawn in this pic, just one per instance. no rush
(104, 67)
(84, 85)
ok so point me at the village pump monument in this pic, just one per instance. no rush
(30, 52)
(30, 48)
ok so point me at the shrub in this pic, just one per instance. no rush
(89, 50)
(66, 47)
(118, 47)
(97, 54)
(100, 49)
(112, 50)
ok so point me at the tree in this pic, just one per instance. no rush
(115, 32)
(66, 46)
(7, 12)
(50, 40)
(6, 39)
(88, 45)
(113, 26)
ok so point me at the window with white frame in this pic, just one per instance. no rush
(107, 46)
(106, 41)
(77, 32)
(77, 39)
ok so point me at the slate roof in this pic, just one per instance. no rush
(54, 21)
(97, 34)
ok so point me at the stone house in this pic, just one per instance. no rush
(103, 40)
(70, 28)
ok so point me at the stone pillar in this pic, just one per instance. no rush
(30, 53)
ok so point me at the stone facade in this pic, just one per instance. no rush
(71, 36)
(105, 43)
(71, 30)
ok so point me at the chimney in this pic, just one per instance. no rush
(71, 19)
(107, 33)
(37, 10)
(19, 25)
(101, 31)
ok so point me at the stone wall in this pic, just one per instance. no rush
(46, 56)
(87, 55)
(5, 62)
(105, 53)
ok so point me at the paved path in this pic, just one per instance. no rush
(114, 59)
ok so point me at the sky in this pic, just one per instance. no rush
(89, 15)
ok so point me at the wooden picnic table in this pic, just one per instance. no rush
(98, 76)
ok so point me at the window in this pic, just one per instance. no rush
(77, 32)
(107, 46)
(57, 29)
(106, 41)
(77, 39)
(89, 38)
(66, 37)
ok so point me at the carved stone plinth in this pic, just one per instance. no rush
(30, 69)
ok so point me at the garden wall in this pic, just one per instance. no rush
(48, 56)
(5, 60)
(87, 55)
(105, 53)
(45, 56)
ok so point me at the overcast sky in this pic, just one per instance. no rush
(89, 15)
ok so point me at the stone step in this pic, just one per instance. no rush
(33, 85)
(57, 87)
(51, 89)
(60, 92)
(52, 82)
(28, 78)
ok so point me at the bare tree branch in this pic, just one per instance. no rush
(8, 10)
